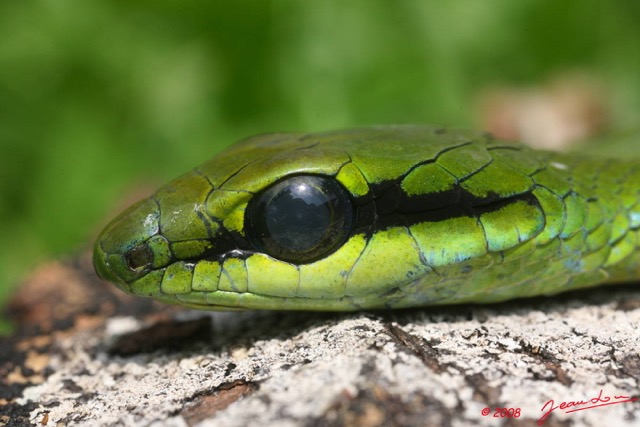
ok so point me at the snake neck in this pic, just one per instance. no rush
(609, 216)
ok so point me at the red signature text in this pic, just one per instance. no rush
(582, 405)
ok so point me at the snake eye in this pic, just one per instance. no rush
(139, 258)
(300, 219)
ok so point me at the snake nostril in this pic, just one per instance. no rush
(139, 257)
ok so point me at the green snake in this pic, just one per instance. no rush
(378, 217)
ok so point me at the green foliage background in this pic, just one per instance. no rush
(98, 95)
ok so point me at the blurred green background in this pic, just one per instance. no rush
(98, 97)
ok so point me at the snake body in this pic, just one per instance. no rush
(379, 217)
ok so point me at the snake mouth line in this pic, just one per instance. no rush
(216, 307)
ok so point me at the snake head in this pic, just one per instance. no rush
(365, 218)
(233, 232)
(269, 223)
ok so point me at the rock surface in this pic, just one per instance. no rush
(85, 354)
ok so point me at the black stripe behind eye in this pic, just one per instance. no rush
(394, 208)
(391, 208)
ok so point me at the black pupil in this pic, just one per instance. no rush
(298, 216)
(300, 219)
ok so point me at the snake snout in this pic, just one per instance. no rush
(121, 253)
